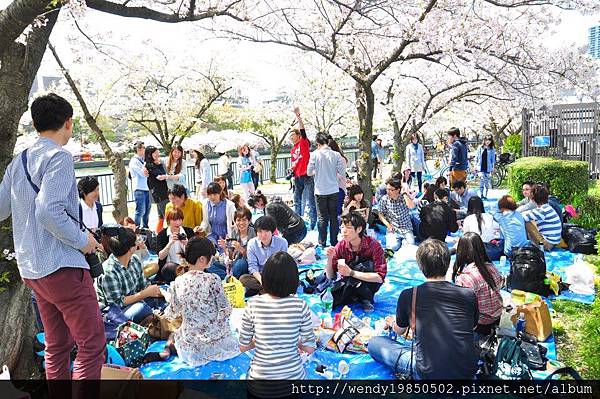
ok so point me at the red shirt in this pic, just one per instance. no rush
(369, 249)
(300, 156)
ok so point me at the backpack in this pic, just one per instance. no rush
(528, 271)
(511, 360)
(580, 240)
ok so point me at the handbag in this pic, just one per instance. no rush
(160, 327)
(131, 343)
(409, 375)
(234, 291)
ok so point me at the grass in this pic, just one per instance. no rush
(577, 333)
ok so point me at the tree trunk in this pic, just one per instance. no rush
(18, 69)
(365, 106)
(115, 159)
(274, 152)
(117, 165)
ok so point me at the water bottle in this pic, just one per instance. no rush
(502, 262)
(520, 327)
(327, 301)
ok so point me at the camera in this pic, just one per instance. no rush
(290, 175)
(181, 236)
(229, 241)
(95, 265)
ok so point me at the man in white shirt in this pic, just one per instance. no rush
(325, 165)
(139, 182)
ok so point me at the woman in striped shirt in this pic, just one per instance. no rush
(277, 324)
(543, 224)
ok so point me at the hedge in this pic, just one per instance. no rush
(568, 180)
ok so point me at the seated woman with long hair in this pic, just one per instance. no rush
(198, 298)
(474, 269)
(217, 220)
(482, 223)
(357, 202)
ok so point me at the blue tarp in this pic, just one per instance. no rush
(401, 275)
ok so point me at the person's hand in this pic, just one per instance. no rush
(184, 242)
(146, 173)
(330, 252)
(297, 110)
(222, 243)
(197, 229)
(237, 246)
(161, 177)
(91, 245)
(151, 291)
(344, 269)
(390, 321)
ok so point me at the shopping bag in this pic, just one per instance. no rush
(234, 291)
(537, 319)
(131, 343)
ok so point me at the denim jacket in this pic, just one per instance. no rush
(491, 156)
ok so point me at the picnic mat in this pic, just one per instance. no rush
(401, 275)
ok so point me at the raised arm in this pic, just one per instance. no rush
(300, 122)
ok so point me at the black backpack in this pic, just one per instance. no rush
(580, 240)
(528, 271)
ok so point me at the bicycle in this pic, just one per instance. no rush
(501, 169)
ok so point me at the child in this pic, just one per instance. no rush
(277, 324)
(486, 157)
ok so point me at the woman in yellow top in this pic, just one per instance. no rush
(192, 209)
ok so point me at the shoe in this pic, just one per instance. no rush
(367, 306)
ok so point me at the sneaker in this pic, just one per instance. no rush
(367, 306)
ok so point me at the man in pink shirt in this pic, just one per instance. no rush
(304, 190)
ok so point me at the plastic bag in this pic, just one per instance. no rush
(580, 278)
(234, 291)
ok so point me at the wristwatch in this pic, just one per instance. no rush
(351, 273)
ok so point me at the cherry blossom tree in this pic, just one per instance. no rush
(364, 39)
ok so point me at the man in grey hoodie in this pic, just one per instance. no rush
(458, 156)
(325, 164)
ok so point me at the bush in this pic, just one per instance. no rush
(589, 213)
(512, 144)
(568, 180)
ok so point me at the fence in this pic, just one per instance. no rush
(569, 131)
(281, 168)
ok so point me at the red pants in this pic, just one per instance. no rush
(70, 313)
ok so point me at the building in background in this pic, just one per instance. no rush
(594, 41)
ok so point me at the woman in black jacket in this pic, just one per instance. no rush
(157, 182)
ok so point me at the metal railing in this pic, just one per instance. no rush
(283, 164)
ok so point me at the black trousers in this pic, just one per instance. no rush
(327, 217)
(353, 293)
(375, 165)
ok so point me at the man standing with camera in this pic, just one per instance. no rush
(39, 191)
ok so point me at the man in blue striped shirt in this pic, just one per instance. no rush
(542, 223)
(49, 245)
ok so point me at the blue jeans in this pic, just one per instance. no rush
(416, 224)
(484, 184)
(239, 267)
(219, 269)
(494, 252)
(392, 354)
(304, 192)
(140, 310)
(400, 238)
(142, 208)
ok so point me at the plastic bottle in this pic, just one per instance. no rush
(520, 327)
(327, 301)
